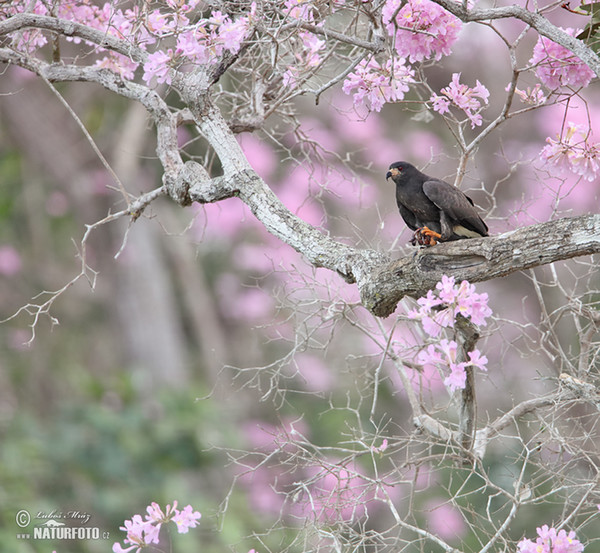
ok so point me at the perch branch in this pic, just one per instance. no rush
(480, 259)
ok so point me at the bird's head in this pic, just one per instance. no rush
(398, 170)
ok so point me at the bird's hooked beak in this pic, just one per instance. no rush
(392, 173)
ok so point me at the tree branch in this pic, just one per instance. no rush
(70, 29)
(480, 259)
(467, 336)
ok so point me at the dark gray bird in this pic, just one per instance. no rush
(434, 209)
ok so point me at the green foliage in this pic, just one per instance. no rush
(590, 33)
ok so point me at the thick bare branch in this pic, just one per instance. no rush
(71, 29)
(467, 336)
(481, 259)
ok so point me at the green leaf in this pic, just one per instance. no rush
(589, 31)
(592, 9)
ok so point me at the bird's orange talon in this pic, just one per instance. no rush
(424, 236)
(431, 233)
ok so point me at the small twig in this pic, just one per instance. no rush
(377, 373)
(88, 137)
(36, 310)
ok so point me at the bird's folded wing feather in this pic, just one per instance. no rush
(455, 204)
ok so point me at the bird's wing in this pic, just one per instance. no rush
(408, 216)
(455, 204)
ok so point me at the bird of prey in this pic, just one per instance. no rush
(434, 209)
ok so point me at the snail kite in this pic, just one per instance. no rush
(434, 209)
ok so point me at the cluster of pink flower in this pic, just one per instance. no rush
(463, 97)
(444, 354)
(202, 42)
(141, 533)
(300, 10)
(439, 310)
(375, 85)
(308, 56)
(421, 29)
(551, 541)
(533, 96)
(571, 153)
(458, 300)
(556, 66)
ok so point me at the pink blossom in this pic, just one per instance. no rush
(444, 355)
(29, 41)
(123, 65)
(551, 541)
(421, 29)
(157, 67)
(431, 300)
(233, 33)
(160, 24)
(299, 9)
(141, 533)
(156, 515)
(374, 85)
(217, 18)
(447, 291)
(462, 299)
(381, 448)
(478, 360)
(186, 519)
(192, 46)
(533, 96)
(457, 378)
(179, 5)
(449, 349)
(556, 66)
(430, 356)
(572, 153)
(440, 104)
(312, 48)
(290, 77)
(462, 97)
(472, 305)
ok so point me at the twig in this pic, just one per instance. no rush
(88, 137)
